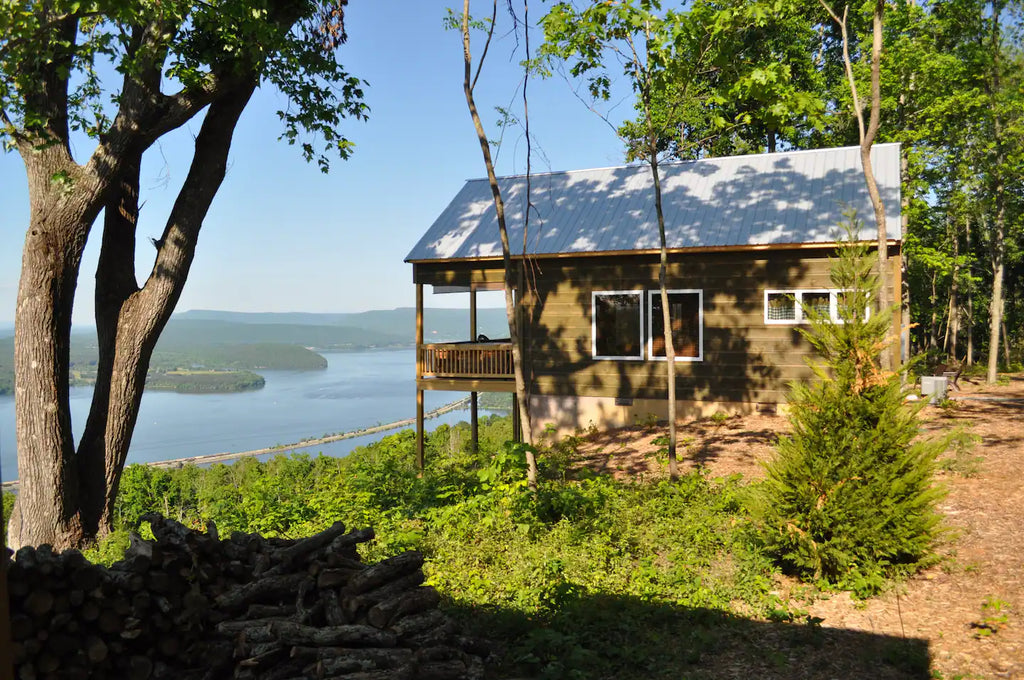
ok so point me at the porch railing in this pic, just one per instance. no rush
(466, 360)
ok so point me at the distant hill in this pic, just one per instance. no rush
(185, 332)
(439, 323)
(219, 336)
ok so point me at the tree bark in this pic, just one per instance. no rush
(62, 214)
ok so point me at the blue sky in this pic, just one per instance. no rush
(282, 236)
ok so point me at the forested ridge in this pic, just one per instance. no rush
(188, 368)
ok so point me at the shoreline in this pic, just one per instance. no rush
(302, 444)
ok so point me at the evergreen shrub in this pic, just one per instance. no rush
(850, 498)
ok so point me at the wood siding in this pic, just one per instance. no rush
(744, 359)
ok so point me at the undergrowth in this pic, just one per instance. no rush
(589, 577)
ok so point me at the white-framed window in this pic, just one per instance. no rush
(617, 323)
(686, 314)
(786, 307)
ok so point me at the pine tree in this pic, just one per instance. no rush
(850, 497)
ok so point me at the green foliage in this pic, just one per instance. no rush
(850, 498)
(994, 617)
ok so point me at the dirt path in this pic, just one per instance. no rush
(970, 608)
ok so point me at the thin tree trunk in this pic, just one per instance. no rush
(970, 295)
(868, 133)
(666, 315)
(866, 142)
(999, 235)
(954, 296)
(933, 335)
(666, 310)
(499, 208)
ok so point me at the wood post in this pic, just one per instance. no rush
(419, 429)
(419, 374)
(474, 422)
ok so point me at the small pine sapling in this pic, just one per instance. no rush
(850, 497)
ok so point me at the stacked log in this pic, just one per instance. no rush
(191, 605)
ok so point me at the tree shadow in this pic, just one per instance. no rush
(607, 636)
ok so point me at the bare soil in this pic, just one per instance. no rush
(970, 607)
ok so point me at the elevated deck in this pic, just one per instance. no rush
(466, 366)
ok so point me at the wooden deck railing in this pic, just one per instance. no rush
(466, 360)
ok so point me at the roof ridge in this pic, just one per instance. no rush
(676, 163)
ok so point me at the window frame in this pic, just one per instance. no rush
(798, 293)
(639, 294)
(700, 324)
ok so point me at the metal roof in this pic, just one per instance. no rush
(795, 197)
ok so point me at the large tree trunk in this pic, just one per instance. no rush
(129, 320)
(62, 214)
(66, 498)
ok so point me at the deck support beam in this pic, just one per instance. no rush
(474, 422)
(419, 372)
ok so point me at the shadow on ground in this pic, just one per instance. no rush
(598, 637)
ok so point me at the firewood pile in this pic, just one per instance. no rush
(191, 606)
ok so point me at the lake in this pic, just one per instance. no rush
(356, 390)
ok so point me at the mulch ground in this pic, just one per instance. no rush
(983, 557)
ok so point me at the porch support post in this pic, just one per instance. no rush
(474, 421)
(419, 429)
(419, 374)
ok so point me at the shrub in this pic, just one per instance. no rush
(850, 498)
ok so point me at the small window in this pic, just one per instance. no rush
(617, 325)
(790, 306)
(686, 313)
(780, 307)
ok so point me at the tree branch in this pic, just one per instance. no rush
(487, 45)
(847, 64)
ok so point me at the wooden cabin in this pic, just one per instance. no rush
(749, 237)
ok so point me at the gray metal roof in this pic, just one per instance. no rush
(793, 197)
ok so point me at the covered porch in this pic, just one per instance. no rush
(479, 364)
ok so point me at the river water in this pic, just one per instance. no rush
(356, 390)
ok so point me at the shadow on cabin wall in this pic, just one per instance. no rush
(746, 363)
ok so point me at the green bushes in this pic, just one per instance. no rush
(850, 498)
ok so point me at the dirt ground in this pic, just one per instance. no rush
(970, 607)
